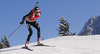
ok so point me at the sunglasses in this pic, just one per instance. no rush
(37, 12)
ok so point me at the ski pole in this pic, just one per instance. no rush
(13, 31)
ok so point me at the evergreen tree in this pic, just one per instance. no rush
(4, 43)
(64, 27)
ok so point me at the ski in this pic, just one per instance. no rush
(27, 48)
(44, 45)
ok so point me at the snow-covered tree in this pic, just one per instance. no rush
(4, 43)
(64, 27)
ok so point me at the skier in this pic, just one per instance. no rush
(30, 19)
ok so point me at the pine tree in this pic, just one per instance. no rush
(64, 27)
(4, 43)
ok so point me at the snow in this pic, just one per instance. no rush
(63, 45)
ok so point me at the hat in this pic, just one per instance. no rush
(36, 8)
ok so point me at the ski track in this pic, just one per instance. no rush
(63, 45)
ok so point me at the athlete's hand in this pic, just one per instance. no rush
(22, 22)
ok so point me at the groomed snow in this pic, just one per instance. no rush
(63, 45)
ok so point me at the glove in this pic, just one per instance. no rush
(22, 22)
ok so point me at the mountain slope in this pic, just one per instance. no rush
(63, 45)
(91, 27)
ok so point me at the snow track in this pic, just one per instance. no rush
(63, 45)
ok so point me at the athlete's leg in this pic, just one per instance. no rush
(30, 31)
(36, 25)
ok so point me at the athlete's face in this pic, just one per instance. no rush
(37, 12)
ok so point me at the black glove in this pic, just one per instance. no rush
(22, 22)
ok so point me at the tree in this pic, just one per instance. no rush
(64, 27)
(4, 43)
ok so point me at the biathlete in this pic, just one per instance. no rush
(30, 19)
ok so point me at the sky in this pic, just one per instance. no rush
(77, 12)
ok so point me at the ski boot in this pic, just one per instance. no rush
(38, 42)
